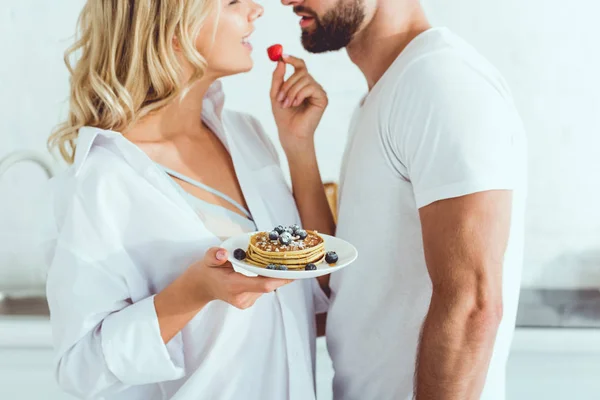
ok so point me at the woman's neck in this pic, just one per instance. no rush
(182, 117)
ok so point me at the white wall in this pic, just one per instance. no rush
(545, 48)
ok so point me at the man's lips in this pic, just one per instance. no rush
(307, 16)
(306, 21)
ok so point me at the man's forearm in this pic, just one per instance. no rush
(310, 197)
(309, 193)
(457, 342)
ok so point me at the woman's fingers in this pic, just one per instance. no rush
(244, 291)
(216, 257)
(259, 284)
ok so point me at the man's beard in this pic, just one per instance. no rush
(336, 28)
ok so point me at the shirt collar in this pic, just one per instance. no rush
(215, 97)
(213, 104)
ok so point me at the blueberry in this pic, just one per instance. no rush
(285, 239)
(282, 267)
(279, 229)
(271, 266)
(289, 230)
(295, 228)
(239, 254)
(310, 267)
(274, 235)
(331, 257)
(302, 234)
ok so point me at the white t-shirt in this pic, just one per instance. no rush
(439, 124)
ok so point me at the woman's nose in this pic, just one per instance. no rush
(257, 11)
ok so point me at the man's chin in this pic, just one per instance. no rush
(316, 47)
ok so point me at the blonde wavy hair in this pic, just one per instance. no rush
(127, 66)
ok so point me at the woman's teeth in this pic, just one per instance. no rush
(246, 43)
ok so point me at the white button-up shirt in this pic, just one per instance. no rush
(123, 232)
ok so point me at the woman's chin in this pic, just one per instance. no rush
(238, 69)
(248, 67)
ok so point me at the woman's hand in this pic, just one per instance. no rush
(213, 278)
(298, 105)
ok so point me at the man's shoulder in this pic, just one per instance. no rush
(442, 61)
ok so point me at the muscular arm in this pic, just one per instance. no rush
(464, 241)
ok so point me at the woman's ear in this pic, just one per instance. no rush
(176, 44)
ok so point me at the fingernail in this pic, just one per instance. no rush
(221, 255)
(296, 103)
(284, 56)
(280, 96)
(286, 103)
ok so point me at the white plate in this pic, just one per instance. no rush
(347, 254)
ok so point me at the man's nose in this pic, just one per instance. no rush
(291, 2)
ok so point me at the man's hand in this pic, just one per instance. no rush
(464, 240)
(298, 104)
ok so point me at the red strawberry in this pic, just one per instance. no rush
(275, 52)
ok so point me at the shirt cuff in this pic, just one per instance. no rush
(321, 300)
(134, 349)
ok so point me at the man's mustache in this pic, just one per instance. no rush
(305, 10)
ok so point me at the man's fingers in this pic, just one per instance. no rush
(297, 63)
(283, 91)
(278, 77)
(314, 92)
(294, 90)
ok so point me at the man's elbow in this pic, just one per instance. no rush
(485, 314)
(477, 309)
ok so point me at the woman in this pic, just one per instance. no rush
(143, 304)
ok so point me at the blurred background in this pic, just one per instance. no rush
(546, 49)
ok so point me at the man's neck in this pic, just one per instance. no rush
(389, 31)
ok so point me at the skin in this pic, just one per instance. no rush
(177, 138)
(464, 238)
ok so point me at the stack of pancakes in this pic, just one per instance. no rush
(262, 251)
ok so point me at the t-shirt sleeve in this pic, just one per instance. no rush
(454, 131)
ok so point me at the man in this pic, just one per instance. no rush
(432, 194)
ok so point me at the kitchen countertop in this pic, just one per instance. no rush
(553, 308)
(36, 307)
(25, 323)
(557, 314)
